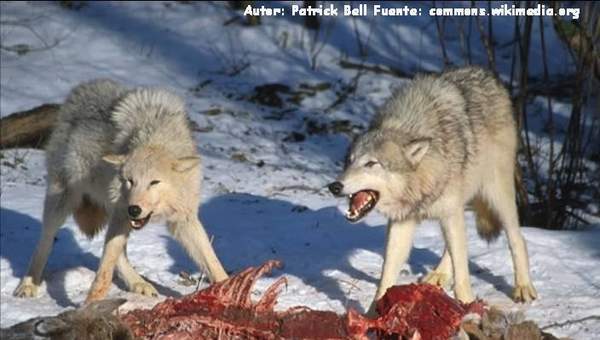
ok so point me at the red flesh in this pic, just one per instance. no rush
(225, 311)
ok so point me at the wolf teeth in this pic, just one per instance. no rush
(354, 212)
(351, 213)
(366, 202)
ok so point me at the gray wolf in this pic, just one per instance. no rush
(440, 143)
(124, 158)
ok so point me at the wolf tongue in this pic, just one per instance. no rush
(358, 200)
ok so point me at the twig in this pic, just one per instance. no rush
(375, 69)
(513, 63)
(296, 187)
(465, 43)
(440, 31)
(346, 91)
(232, 20)
(488, 45)
(550, 192)
(353, 85)
(23, 49)
(571, 322)
(353, 286)
(238, 69)
(522, 100)
(315, 48)
(578, 218)
(26, 24)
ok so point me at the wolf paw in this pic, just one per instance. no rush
(144, 288)
(436, 278)
(524, 293)
(26, 289)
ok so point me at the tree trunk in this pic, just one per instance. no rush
(311, 22)
(29, 129)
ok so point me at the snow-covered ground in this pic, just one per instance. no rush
(264, 193)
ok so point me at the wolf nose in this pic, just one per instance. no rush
(336, 188)
(134, 210)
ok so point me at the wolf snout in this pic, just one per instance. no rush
(336, 188)
(134, 210)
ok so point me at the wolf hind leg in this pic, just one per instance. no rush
(442, 274)
(134, 281)
(57, 206)
(453, 228)
(500, 193)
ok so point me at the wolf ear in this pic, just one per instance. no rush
(186, 163)
(104, 307)
(416, 149)
(114, 159)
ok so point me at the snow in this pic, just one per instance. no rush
(256, 212)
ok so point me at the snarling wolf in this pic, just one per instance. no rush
(124, 158)
(440, 143)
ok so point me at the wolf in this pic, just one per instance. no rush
(122, 157)
(438, 144)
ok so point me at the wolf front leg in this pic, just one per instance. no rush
(453, 228)
(397, 249)
(135, 282)
(190, 233)
(114, 247)
(57, 207)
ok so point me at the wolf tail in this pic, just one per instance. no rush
(90, 217)
(488, 223)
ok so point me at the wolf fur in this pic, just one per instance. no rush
(113, 148)
(440, 143)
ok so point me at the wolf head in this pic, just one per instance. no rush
(151, 181)
(384, 171)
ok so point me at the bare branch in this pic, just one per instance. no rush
(571, 322)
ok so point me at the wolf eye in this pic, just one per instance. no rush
(370, 163)
(154, 182)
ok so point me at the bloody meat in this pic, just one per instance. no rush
(225, 311)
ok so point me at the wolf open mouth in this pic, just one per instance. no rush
(140, 222)
(360, 204)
